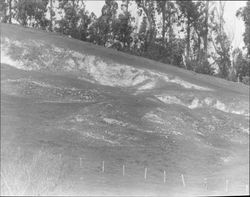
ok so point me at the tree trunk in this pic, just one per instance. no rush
(199, 50)
(170, 29)
(51, 17)
(188, 38)
(170, 33)
(163, 22)
(148, 31)
(148, 9)
(3, 17)
(127, 3)
(10, 11)
(206, 29)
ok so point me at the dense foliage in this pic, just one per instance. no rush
(188, 34)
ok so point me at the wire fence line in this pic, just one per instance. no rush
(182, 178)
(146, 174)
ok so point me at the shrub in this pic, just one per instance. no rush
(21, 175)
(246, 80)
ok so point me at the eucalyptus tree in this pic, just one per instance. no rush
(74, 20)
(31, 13)
(51, 13)
(148, 7)
(187, 9)
(220, 40)
(3, 11)
(122, 28)
(7, 10)
(168, 12)
(105, 22)
(244, 13)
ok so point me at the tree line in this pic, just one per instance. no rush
(188, 34)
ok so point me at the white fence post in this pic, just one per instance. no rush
(123, 170)
(145, 173)
(103, 166)
(205, 183)
(183, 180)
(19, 150)
(80, 162)
(164, 176)
(227, 184)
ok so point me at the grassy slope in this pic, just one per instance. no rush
(78, 129)
(21, 33)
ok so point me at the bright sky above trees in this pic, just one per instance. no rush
(234, 26)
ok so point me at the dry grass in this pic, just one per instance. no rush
(22, 175)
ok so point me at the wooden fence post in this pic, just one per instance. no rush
(183, 180)
(103, 166)
(227, 184)
(19, 151)
(205, 183)
(80, 162)
(123, 170)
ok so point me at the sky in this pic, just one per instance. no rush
(234, 26)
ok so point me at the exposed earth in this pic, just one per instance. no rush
(72, 105)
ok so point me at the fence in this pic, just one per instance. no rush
(182, 179)
(163, 178)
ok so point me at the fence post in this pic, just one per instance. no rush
(247, 189)
(164, 176)
(103, 166)
(183, 180)
(80, 162)
(19, 150)
(145, 173)
(123, 170)
(205, 183)
(227, 183)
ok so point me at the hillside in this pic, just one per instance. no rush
(74, 100)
